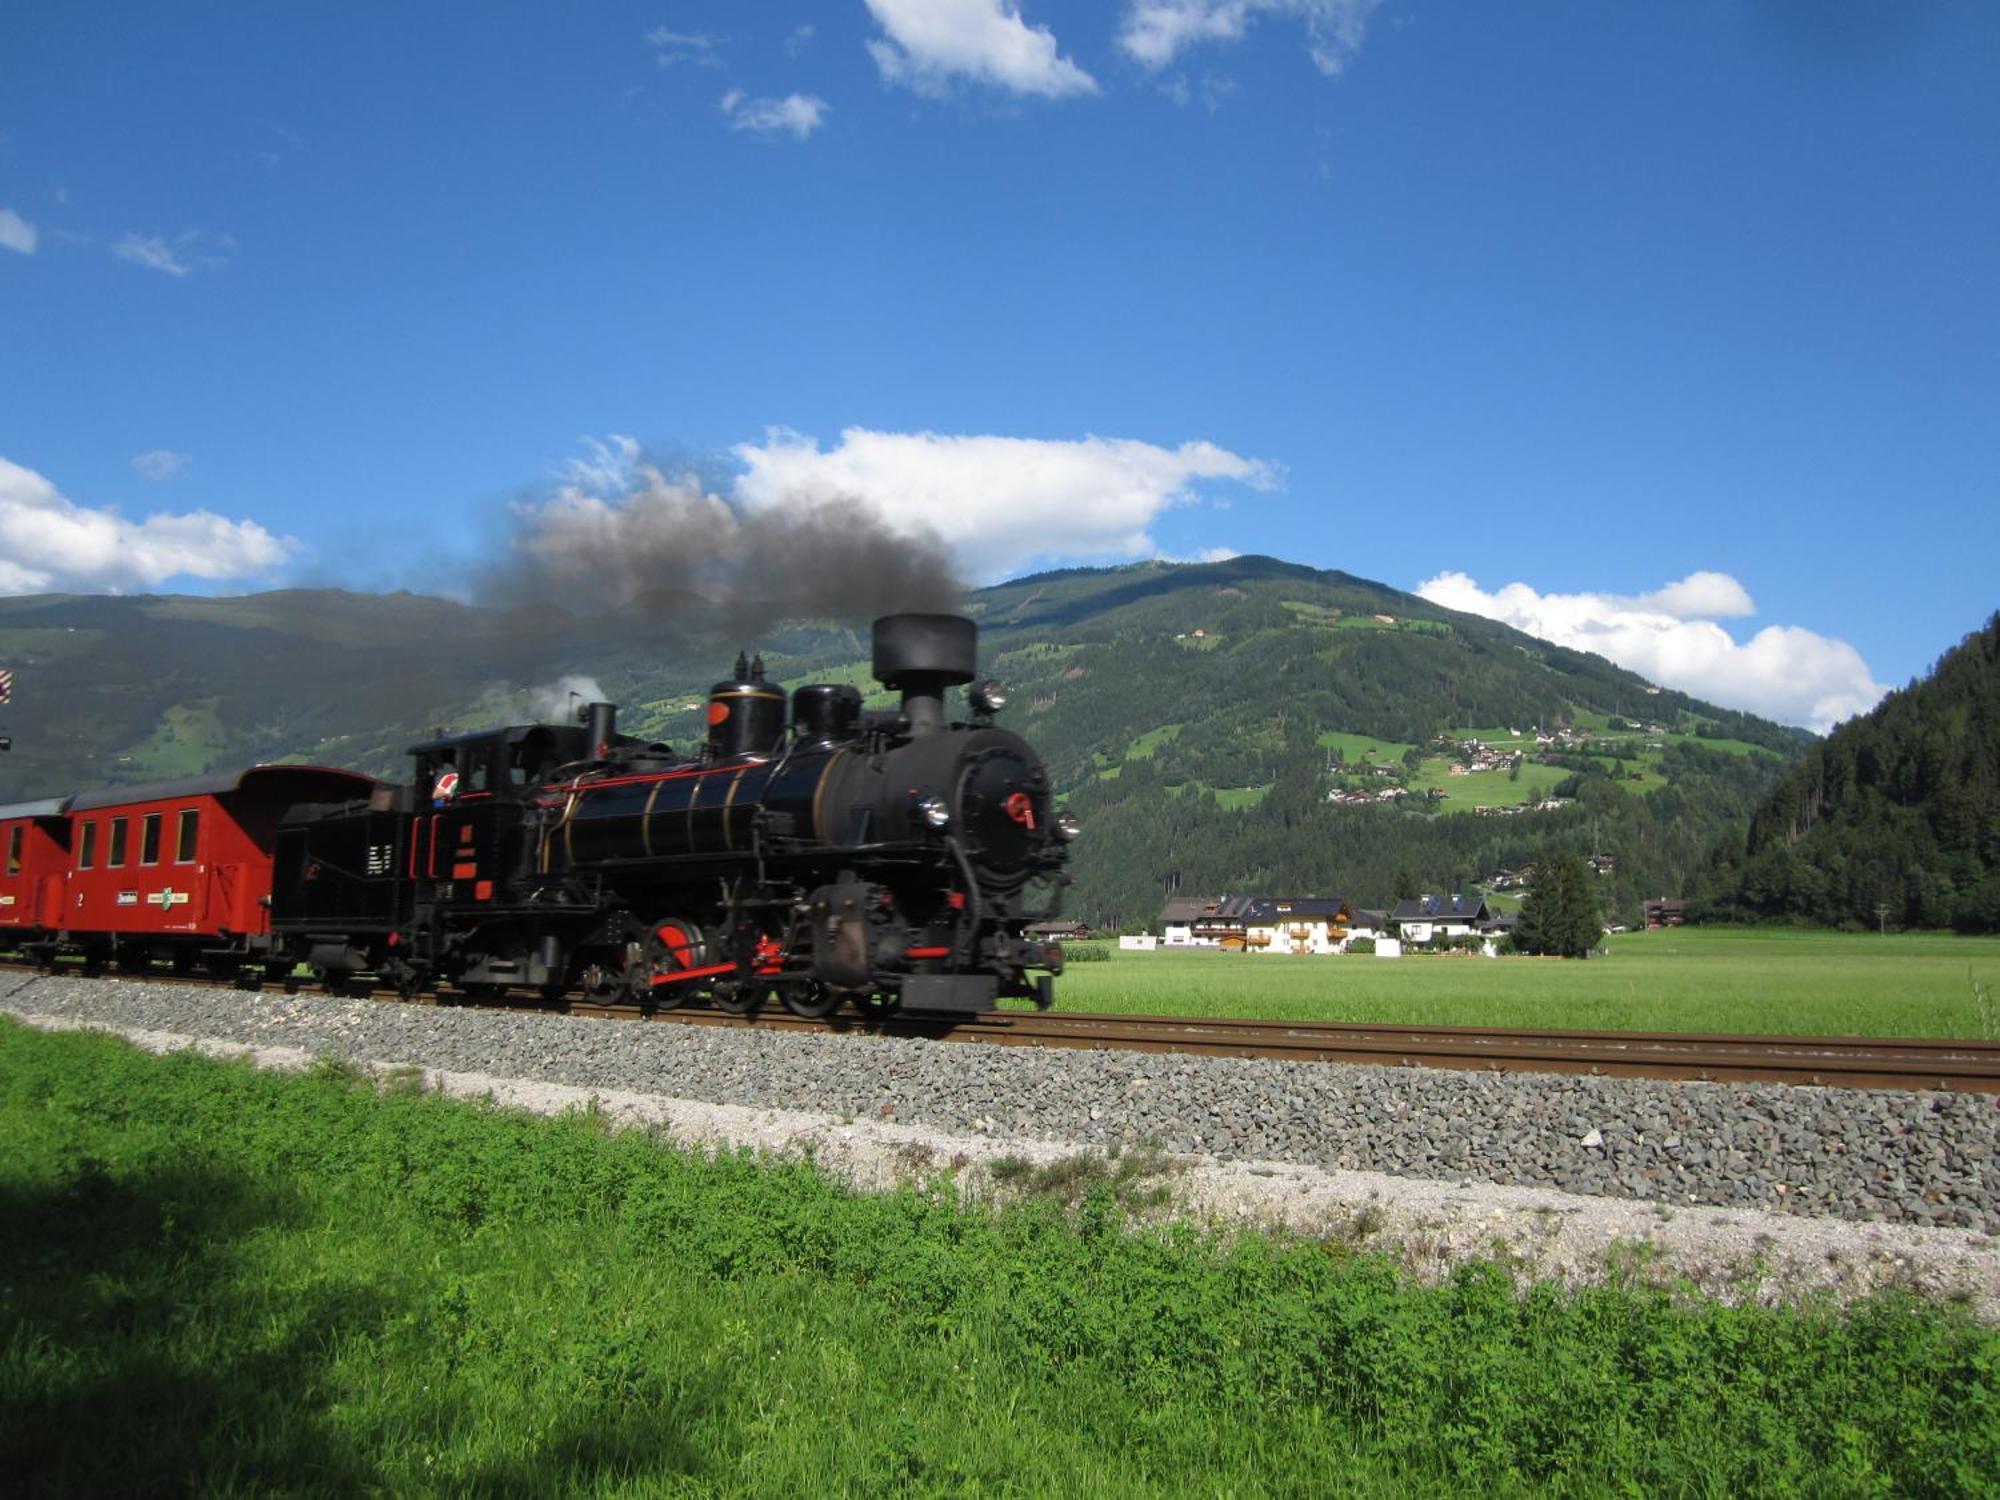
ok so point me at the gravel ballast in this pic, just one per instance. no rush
(1924, 1159)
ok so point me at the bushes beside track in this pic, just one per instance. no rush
(216, 1279)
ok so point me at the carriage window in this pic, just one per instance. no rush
(149, 840)
(14, 849)
(116, 859)
(190, 830)
(87, 855)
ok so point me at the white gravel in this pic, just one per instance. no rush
(1430, 1225)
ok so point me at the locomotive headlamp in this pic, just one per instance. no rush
(988, 696)
(934, 811)
(1066, 828)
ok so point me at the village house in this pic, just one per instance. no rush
(1429, 918)
(1203, 921)
(1664, 911)
(1300, 924)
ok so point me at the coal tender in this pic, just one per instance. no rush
(816, 857)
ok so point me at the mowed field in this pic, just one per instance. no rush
(1742, 980)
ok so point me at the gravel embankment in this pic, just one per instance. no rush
(1928, 1159)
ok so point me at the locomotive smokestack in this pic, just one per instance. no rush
(601, 725)
(921, 656)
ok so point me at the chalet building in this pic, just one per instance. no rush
(1204, 921)
(1428, 918)
(1058, 932)
(1299, 924)
(1665, 911)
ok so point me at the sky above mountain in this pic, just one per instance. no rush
(1667, 331)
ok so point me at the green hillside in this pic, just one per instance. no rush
(1894, 820)
(1197, 717)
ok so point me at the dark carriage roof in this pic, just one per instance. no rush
(511, 734)
(296, 783)
(47, 807)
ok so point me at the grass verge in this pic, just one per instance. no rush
(1741, 980)
(214, 1280)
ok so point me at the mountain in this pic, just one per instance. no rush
(1894, 818)
(1198, 718)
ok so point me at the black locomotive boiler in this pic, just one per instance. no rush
(887, 858)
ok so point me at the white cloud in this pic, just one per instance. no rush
(798, 114)
(160, 463)
(674, 47)
(930, 42)
(1000, 503)
(1783, 672)
(1157, 31)
(799, 39)
(196, 248)
(49, 542)
(16, 233)
(150, 250)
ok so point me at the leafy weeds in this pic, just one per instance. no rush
(219, 1280)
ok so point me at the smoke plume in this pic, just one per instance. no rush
(619, 533)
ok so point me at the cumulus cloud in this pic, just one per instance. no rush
(999, 503)
(1671, 636)
(16, 233)
(197, 248)
(49, 542)
(160, 463)
(928, 43)
(798, 115)
(671, 48)
(1155, 32)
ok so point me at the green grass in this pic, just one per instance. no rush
(188, 737)
(1744, 980)
(1356, 748)
(224, 1282)
(1485, 788)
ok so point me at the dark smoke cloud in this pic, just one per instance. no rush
(620, 534)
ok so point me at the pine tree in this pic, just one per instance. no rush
(1560, 915)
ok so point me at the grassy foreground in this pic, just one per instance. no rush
(1743, 980)
(218, 1281)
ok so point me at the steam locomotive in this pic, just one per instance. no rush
(886, 858)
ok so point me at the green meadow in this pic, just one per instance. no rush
(1742, 980)
(215, 1281)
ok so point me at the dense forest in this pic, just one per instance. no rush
(1893, 820)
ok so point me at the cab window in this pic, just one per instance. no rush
(116, 859)
(14, 848)
(149, 840)
(86, 856)
(187, 836)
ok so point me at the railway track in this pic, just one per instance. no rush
(1844, 1062)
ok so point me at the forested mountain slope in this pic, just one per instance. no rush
(1894, 819)
(1196, 717)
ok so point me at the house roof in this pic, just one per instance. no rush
(1272, 909)
(1440, 909)
(1369, 916)
(1189, 909)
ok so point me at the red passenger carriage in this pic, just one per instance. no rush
(182, 869)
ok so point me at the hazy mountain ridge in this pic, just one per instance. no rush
(1193, 714)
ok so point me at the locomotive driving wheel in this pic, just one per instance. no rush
(660, 976)
(810, 998)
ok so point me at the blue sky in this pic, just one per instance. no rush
(1671, 330)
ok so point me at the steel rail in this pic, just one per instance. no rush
(1947, 1063)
